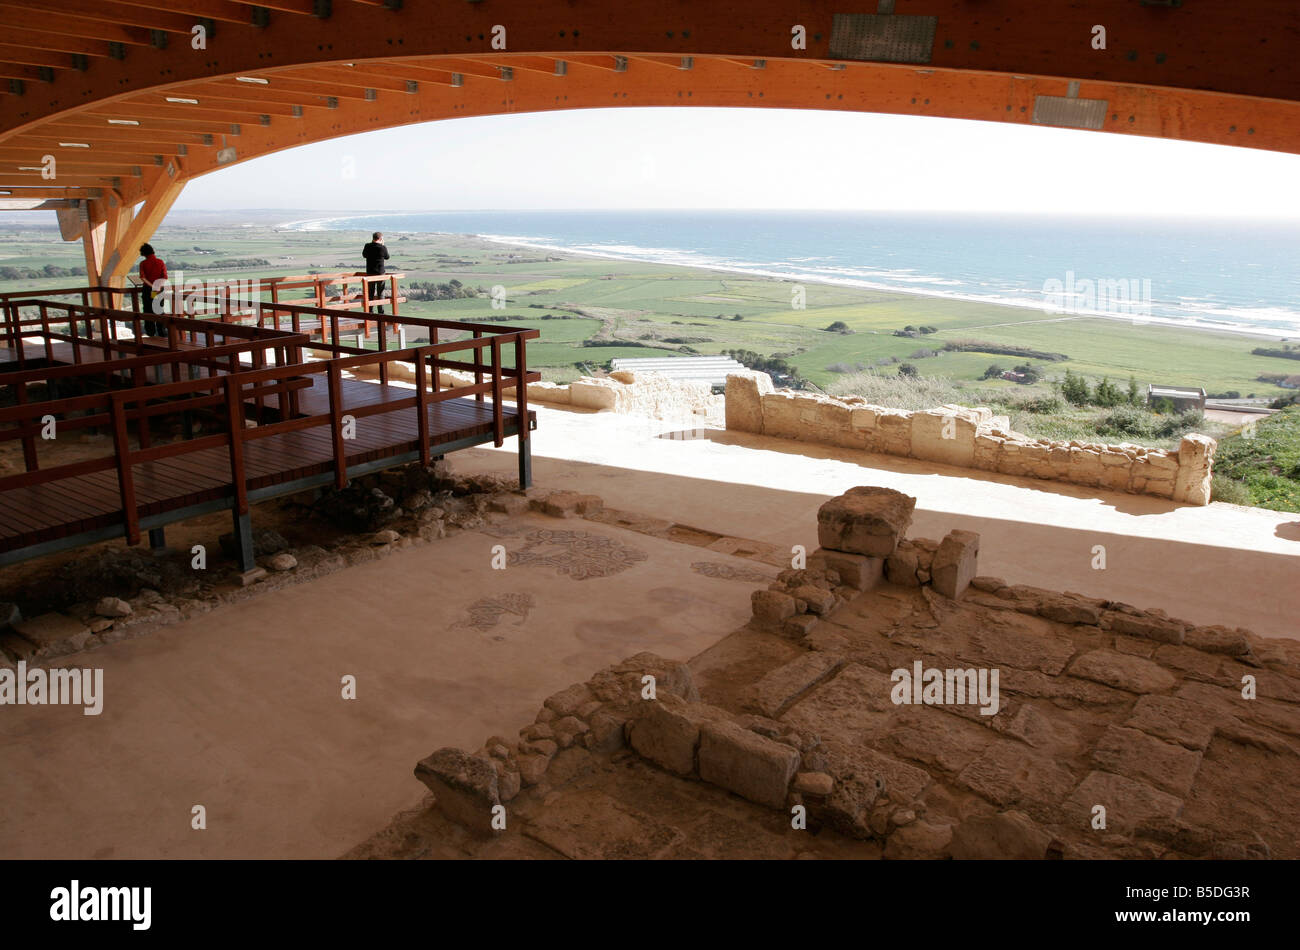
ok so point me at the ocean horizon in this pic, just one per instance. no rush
(1202, 274)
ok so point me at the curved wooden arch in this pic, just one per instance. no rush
(117, 95)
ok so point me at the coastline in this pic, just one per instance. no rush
(523, 243)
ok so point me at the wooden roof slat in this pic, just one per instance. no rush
(420, 72)
(300, 7)
(22, 152)
(148, 123)
(146, 16)
(96, 139)
(222, 11)
(21, 16)
(356, 78)
(285, 91)
(214, 114)
(15, 71)
(26, 56)
(56, 42)
(473, 67)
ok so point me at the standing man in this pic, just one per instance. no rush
(152, 271)
(375, 254)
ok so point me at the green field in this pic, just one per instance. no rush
(657, 310)
(1261, 464)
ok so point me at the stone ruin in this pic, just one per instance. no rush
(969, 438)
(1120, 732)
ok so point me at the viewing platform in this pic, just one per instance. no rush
(266, 408)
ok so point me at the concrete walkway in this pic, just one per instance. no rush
(1215, 564)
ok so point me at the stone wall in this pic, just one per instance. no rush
(645, 394)
(968, 438)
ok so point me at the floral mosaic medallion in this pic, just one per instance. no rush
(578, 555)
(487, 612)
(728, 572)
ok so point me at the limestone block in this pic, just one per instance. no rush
(987, 451)
(782, 687)
(1012, 460)
(920, 840)
(945, 435)
(1010, 835)
(855, 570)
(867, 520)
(1128, 803)
(903, 565)
(666, 731)
(53, 634)
(588, 393)
(955, 563)
(1195, 462)
(743, 762)
(818, 600)
(863, 417)
(1085, 466)
(112, 607)
(548, 392)
(893, 432)
(465, 787)
(744, 400)
(1122, 671)
(1146, 626)
(771, 606)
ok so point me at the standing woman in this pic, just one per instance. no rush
(152, 271)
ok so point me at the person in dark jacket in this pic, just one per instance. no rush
(375, 254)
(152, 272)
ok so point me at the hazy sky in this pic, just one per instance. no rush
(755, 158)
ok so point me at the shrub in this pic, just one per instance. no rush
(1074, 389)
(839, 326)
(907, 369)
(1230, 490)
(1107, 394)
(1041, 405)
(1126, 421)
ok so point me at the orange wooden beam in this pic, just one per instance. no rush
(148, 17)
(224, 11)
(45, 20)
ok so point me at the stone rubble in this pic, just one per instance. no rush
(1163, 742)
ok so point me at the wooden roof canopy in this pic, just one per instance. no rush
(132, 100)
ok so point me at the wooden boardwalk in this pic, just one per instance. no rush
(284, 463)
(290, 419)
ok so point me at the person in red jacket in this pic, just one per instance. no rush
(152, 271)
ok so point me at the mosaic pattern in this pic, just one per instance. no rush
(727, 572)
(578, 555)
(486, 613)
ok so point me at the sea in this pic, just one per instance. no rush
(1220, 274)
